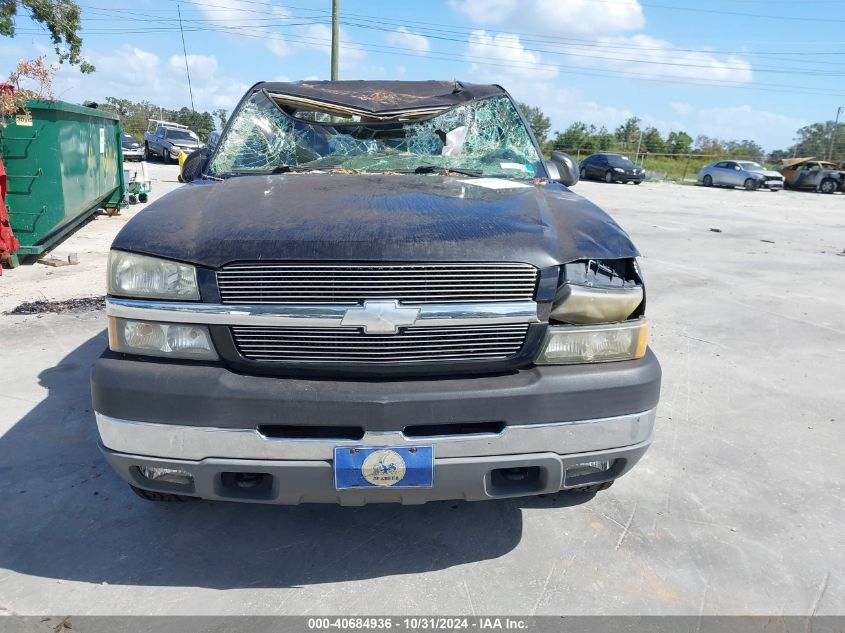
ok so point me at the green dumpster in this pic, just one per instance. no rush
(64, 162)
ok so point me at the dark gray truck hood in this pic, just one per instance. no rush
(396, 218)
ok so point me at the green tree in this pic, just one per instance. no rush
(61, 18)
(573, 137)
(744, 149)
(628, 134)
(652, 141)
(708, 145)
(604, 139)
(678, 143)
(814, 140)
(538, 121)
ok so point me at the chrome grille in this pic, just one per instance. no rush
(351, 283)
(413, 344)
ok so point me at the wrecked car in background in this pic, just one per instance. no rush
(739, 173)
(375, 292)
(812, 174)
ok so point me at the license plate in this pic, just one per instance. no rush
(383, 467)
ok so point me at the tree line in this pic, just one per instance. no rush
(634, 138)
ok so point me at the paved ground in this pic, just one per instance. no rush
(737, 508)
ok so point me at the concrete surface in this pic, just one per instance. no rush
(737, 508)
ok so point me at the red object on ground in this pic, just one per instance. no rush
(8, 243)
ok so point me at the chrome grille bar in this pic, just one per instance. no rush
(268, 282)
(413, 344)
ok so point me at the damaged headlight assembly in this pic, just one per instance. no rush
(599, 307)
(143, 277)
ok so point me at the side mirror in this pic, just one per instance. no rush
(562, 168)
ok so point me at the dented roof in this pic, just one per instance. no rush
(381, 98)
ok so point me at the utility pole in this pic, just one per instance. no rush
(833, 132)
(185, 53)
(335, 36)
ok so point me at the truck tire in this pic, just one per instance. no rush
(592, 488)
(165, 156)
(828, 185)
(161, 497)
(147, 154)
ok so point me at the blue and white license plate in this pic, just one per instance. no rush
(383, 467)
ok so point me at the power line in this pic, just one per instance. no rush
(185, 53)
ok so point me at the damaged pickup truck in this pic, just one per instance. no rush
(375, 292)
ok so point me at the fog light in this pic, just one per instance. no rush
(588, 468)
(167, 475)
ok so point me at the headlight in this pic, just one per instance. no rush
(567, 345)
(171, 340)
(587, 304)
(619, 169)
(132, 275)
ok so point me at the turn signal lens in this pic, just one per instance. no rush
(172, 340)
(566, 345)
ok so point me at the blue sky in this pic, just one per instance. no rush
(732, 69)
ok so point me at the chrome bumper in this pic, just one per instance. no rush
(168, 441)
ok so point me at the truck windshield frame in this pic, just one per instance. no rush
(487, 136)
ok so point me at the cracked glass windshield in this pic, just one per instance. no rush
(484, 137)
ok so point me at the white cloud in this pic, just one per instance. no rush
(408, 39)
(278, 47)
(161, 82)
(557, 17)
(319, 37)
(497, 58)
(681, 107)
(653, 58)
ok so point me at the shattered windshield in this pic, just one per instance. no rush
(486, 136)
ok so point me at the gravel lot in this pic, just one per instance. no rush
(737, 508)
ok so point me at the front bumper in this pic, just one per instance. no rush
(206, 419)
(312, 481)
(133, 153)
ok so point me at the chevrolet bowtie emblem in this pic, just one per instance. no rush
(380, 317)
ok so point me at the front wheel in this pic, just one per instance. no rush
(608, 176)
(146, 153)
(638, 182)
(827, 186)
(165, 156)
(708, 180)
(583, 173)
(750, 184)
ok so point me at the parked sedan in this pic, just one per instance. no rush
(611, 168)
(739, 173)
(132, 149)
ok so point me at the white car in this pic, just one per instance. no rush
(740, 173)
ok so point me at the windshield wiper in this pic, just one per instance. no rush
(433, 169)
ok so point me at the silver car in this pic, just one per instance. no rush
(739, 173)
